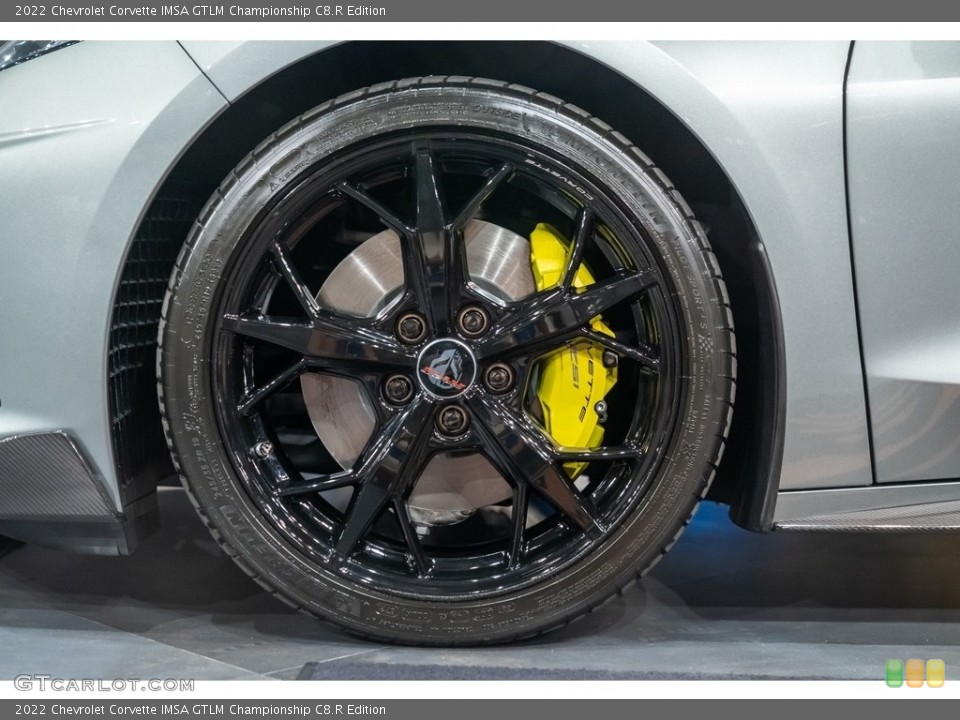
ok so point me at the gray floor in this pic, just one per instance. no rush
(725, 603)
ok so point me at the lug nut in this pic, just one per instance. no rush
(473, 321)
(610, 359)
(398, 389)
(452, 420)
(262, 450)
(499, 378)
(411, 328)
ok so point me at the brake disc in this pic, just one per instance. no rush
(364, 283)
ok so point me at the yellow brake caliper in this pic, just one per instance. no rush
(573, 379)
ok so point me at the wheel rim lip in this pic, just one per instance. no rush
(251, 475)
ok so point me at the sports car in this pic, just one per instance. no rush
(446, 341)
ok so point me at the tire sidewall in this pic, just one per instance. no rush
(188, 397)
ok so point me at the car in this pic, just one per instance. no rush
(447, 340)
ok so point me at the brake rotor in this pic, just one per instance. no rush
(365, 282)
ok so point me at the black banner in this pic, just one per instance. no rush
(489, 11)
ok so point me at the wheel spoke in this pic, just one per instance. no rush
(388, 218)
(521, 501)
(435, 263)
(556, 316)
(625, 285)
(282, 332)
(621, 452)
(390, 465)
(482, 195)
(580, 237)
(366, 506)
(255, 396)
(430, 207)
(646, 356)
(296, 283)
(556, 487)
(331, 341)
(420, 559)
(320, 484)
(527, 329)
(523, 456)
(416, 276)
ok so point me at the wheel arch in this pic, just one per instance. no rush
(749, 475)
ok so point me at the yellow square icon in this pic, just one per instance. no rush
(936, 672)
(914, 673)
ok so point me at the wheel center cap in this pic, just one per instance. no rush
(446, 368)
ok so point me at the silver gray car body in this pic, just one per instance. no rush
(845, 164)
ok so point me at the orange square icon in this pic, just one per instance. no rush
(914, 673)
(936, 671)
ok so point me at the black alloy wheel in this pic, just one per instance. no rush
(355, 350)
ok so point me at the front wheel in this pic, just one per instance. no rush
(446, 361)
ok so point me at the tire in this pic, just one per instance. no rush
(423, 163)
